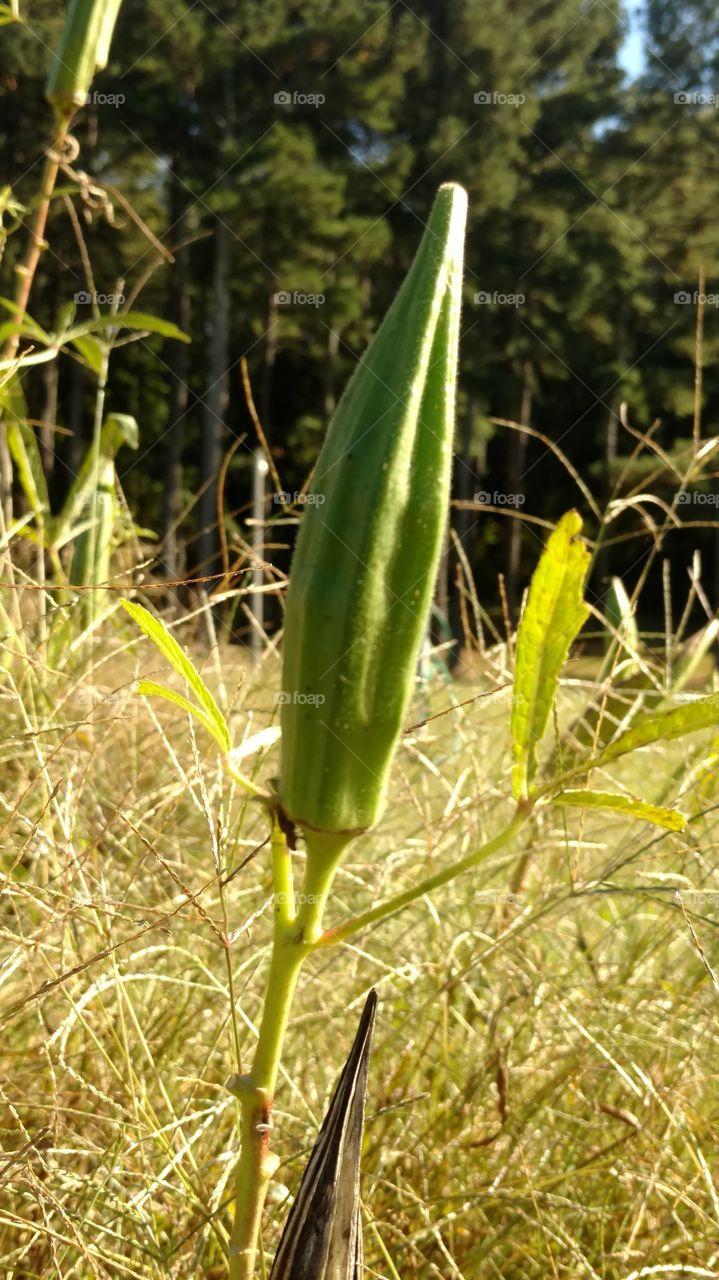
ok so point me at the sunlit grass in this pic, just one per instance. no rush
(543, 1096)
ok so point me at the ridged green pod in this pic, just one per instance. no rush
(369, 544)
(84, 49)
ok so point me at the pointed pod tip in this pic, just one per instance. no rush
(449, 217)
(454, 192)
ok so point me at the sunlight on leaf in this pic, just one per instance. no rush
(149, 689)
(170, 649)
(665, 726)
(554, 615)
(670, 819)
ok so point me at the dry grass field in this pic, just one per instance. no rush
(544, 1089)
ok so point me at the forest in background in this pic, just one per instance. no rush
(259, 174)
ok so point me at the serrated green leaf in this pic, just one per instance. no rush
(670, 819)
(152, 690)
(555, 613)
(156, 631)
(128, 320)
(664, 726)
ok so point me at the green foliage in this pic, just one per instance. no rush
(589, 199)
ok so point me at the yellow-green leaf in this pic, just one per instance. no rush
(170, 649)
(670, 819)
(91, 351)
(128, 320)
(663, 726)
(152, 690)
(554, 615)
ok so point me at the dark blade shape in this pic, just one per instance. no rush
(322, 1239)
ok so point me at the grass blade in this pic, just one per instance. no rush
(170, 649)
(149, 689)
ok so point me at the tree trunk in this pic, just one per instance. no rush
(333, 346)
(268, 367)
(603, 564)
(75, 450)
(515, 468)
(215, 403)
(177, 361)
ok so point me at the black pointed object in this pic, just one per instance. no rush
(322, 1239)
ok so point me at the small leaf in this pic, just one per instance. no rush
(91, 352)
(128, 320)
(664, 726)
(555, 613)
(170, 649)
(150, 689)
(670, 819)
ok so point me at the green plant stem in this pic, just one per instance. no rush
(295, 932)
(26, 276)
(255, 1164)
(401, 900)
